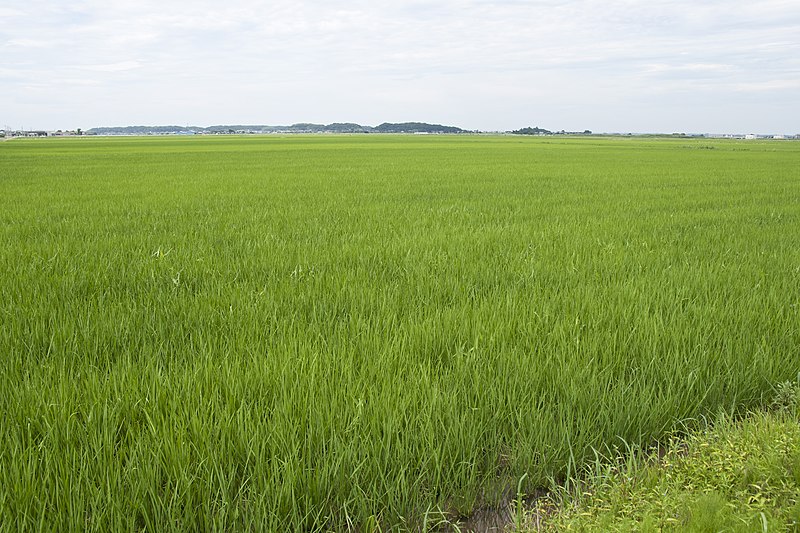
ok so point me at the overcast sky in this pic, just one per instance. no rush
(604, 65)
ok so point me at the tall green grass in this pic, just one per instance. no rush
(734, 475)
(316, 333)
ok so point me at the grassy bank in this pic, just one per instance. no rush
(736, 475)
(331, 332)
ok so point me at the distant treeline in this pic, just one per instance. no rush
(541, 131)
(305, 127)
(346, 127)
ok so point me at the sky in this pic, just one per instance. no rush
(695, 66)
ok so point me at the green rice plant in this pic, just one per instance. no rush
(346, 332)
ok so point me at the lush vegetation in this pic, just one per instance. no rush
(737, 475)
(338, 332)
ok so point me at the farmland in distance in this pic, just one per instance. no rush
(339, 332)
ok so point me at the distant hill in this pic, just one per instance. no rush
(386, 127)
(415, 127)
(541, 131)
(532, 131)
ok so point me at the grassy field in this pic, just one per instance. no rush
(329, 333)
(734, 476)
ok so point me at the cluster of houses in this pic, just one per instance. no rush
(39, 133)
(750, 136)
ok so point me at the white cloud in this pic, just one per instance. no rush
(769, 86)
(689, 67)
(120, 66)
(576, 63)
